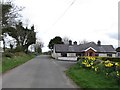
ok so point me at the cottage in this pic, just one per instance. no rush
(69, 51)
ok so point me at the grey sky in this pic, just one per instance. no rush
(91, 20)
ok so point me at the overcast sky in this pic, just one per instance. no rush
(90, 20)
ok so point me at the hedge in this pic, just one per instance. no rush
(114, 59)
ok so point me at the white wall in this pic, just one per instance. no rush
(68, 58)
(113, 55)
(102, 55)
(58, 55)
(55, 55)
(105, 55)
(71, 54)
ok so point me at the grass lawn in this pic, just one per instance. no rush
(88, 79)
(16, 60)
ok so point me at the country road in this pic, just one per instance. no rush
(40, 72)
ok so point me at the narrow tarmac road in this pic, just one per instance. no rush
(40, 72)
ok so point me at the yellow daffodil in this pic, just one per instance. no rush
(117, 64)
(93, 58)
(91, 63)
(96, 69)
(107, 61)
(83, 62)
(118, 73)
(92, 67)
(89, 58)
(109, 65)
(88, 65)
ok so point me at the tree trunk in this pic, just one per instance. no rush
(3, 45)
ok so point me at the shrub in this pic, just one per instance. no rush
(19, 49)
(114, 59)
(19, 53)
(8, 54)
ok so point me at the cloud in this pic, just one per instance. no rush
(113, 35)
(86, 19)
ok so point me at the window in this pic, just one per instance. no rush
(64, 54)
(109, 55)
(91, 54)
(78, 54)
(118, 53)
(96, 54)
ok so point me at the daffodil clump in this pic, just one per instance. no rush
(88, 62)
(108, 63)
(90, 58)
(117, 73)
(117, 64)
(96, 69)
(108, 68)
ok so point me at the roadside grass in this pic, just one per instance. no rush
(88, 79)
(0, 68)
(16, 60)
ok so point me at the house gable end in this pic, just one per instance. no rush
(89, 49)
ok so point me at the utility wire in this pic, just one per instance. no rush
(64, 12)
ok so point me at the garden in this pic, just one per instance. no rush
(94, 72)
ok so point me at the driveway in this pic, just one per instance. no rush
(40, 72)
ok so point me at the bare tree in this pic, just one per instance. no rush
(38, 46)
(83, 42)
(66, 40)
(10, 13)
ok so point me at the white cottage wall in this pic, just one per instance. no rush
(113, 55)
(102, 55)
(71, 54)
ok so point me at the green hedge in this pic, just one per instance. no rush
(114, 59)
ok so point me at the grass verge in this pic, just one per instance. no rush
(0, 68)
(9, 63)
(89, 80)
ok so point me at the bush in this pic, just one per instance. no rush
(19, 54)
(114, 59)
(8, 54)
(19, 49)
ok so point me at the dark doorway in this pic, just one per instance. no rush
(64, 54)
(91, 54)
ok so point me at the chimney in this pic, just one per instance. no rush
(75, 43)
(99, 43)
(70, 42)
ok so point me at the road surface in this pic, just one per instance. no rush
(40, 72)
